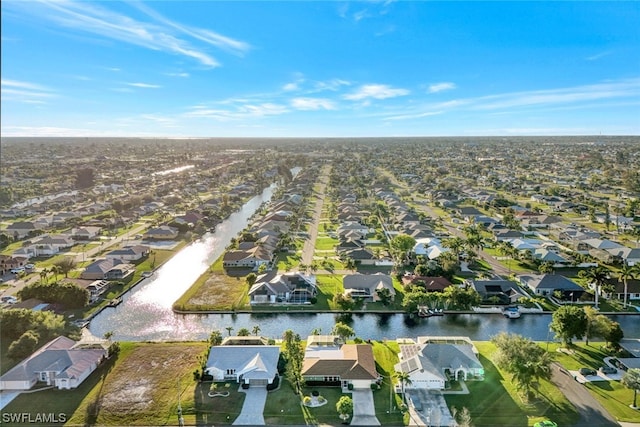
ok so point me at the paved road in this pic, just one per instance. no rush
(309, 245)
(592, 413)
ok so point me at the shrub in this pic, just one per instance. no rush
(321, 399)
(306, 400)
(350, 386)
(313, 300)
(315, 393)
(357, 340)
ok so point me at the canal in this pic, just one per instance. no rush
(146, 313)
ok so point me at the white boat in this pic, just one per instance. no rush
(511, 313)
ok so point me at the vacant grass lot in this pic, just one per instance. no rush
(142, 386)
(496, 402)
(215, 290)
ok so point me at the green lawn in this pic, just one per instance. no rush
(612, 395)
(128, 393)
(325, 242)
(495, 401)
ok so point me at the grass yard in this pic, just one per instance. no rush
(215, 290)
(496, 402)
(616, 398)
(216, 410)
(325, 243)
(612, 395)
(134, 392)
(387, 402)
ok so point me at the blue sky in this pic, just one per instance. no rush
(298, 68)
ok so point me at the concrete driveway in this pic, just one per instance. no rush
(364, 411)
(253, 407)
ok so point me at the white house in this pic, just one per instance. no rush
(57, 363)
(255, 365)
(431, 364)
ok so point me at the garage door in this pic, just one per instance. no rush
(259, 382)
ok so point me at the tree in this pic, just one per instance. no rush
(546, 268)
(229, 329)
(344, 407)
(455, 244)
(294, 354)
(523, 359)
(215, 338)
(598, 277)
(345, 302)
(251, 279)
(626, 273)
(402, 244)
(631, 379)
(350, 264)
(343, 330)
(23, 346)
(243, 332)
(405, 380)
(569, 322)
(65, 265)
(463, 416)
(385, 296)
(256, 330)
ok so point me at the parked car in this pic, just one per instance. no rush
(30, 266)
(17, 270)
(587, 371)
(608, 370)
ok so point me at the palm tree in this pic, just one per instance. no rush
(43, 274)
(455, 244)
(405, 380)
(597, 276)
(350, 264)
(256, 330)
(626, 272)
(632, 380)
(229, 329)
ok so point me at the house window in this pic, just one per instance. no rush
(231, 371)
(43, 376)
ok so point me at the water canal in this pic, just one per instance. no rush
(146, 314)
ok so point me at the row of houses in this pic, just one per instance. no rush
(430, 362)
(298, 288)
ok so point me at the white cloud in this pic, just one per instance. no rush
(414, 116)
(331, 85)
(183, 75)
(375, 91)
(237, 112)
(289, 87)
(144, 85)
(160, 34)
(25, 92)
(312, 104)
(439, 87)
(598, 55)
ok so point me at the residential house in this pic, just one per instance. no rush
(629, 256)
(98, 269)
(58, 363)
(254, 365)
(496, 291)
(129, 253)
(291, 287)
(547, 284)
(163, 232)
(353, 226)
(429, 284)
(250, 258)
(361, 256)
(7, 263)
(633, 289)
(96, 289)
(339, 365)
(365, 286)
(85, 233)
(431, 364)
(21, 229)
